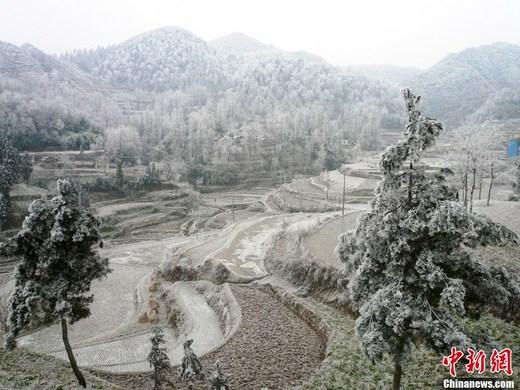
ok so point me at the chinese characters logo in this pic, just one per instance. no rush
(499, 361)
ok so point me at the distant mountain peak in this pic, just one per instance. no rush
(165, 32)
(157, 60)
(30, 47)
(472, 81)
(240, 43)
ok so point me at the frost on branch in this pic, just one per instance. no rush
(157, 357)
(191, 367)
(218, 380)
(57, 262)
(406, 269)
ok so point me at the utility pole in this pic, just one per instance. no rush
(233, 201)
(490, 185)
(301, 187)
(284, 190)
(343, 202)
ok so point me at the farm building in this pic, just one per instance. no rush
(513, 147)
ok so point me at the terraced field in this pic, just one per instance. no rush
(111, 338)
(270, 345)
(321, 243)
(243, 252)
(112, 312)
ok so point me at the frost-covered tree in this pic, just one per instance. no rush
(13, 166)
(123, 143)
(218, 380)
(191, 366)
(56, 268)
(475, 144)
(406, 271)
(157, 357)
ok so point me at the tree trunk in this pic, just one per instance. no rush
(466, 190)
(398, 369)
(473, 186)
(301, 189)
(480, 181)
(410, 185)
(343, 202)
(490, 185)
(233, 210)
(156, 379)
(72, 360)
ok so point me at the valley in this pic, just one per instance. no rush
(234, 251)
(185, 212)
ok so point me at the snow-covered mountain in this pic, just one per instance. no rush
(260, 75)
(27, 62)
(241, 44)
(159, 60)
(237, 82)
(476, 83)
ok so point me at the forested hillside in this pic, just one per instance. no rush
(476, 84)
(49, 103)
(164, 59)
(234, 105)
(207, 108)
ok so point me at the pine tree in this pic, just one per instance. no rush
(191, 366)
(56, 268)
(157, 357)
(406, 271)
(218, 380)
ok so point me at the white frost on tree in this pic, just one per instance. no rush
(218, 380)
(56, 268)
(191, 366)
(407, 273)
(157, 357)
(123, 143)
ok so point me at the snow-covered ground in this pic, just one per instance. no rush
(321, 243)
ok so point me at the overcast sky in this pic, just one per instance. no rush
(401, 32)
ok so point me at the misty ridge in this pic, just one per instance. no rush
(196, 99)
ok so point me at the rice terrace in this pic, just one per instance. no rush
(179, 212)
